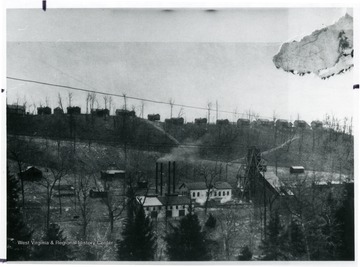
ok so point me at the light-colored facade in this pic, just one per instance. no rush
(167, 206)
(198, 191)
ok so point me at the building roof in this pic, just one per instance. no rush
(175, 200)
(149, 201)
(202, 185)
(276, 183)
(113, 171)
(222, 185)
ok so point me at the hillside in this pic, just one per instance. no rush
(321, 149)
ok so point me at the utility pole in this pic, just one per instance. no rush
(209, 105)
(124, 96)
(217, 110)
(171, 102)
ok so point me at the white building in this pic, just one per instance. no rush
(172, 206)
(198, 191)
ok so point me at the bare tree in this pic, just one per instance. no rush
(181, 112)
(124, 96)
(88, 99)
(210, 174)
(171, 103)
(229, 222)
(70, 97)
(47, 101)
(60, 102)
(83, 184)
(110, 104)
(92, 101)
(58, 169)
(106, 101)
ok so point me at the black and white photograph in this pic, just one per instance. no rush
(180, 134)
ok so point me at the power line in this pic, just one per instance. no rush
(118, 95)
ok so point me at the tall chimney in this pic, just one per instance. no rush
(161, 178)
(169, 171)
(156, 178)
(173, 177)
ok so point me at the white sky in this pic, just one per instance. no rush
(192, 56)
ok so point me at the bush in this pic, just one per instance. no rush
(211, 221)
(245, 255)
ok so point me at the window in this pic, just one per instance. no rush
(159, 208)
(176, 207)
(147, 208)
(215, 193)
(184, 207)
(193, 194)
(198, 194)
(153, 208)
(227, 193)
(223, 193)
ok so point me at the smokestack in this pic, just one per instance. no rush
(161, 178)
(156, 178)
(169, 171)
(174, 177)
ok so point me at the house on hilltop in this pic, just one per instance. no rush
(15, 109)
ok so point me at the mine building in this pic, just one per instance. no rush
(163, 201)
(15, 109)
(198, 191)
(43, 111)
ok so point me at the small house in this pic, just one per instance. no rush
(175, 121)
(282, 124)
(43, 110)
(222, 122)
(125, 112)
(73, 110)
(200, 121)
(243, 123)
(316, 125)
(15, 109)
(58, 111)
(153, 117)
(100, 112)
(301, 124)
(297, 169)
(31, 174)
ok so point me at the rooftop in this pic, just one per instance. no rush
(113, 171)
(175, 200)
(202, 185)
(149, 201)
